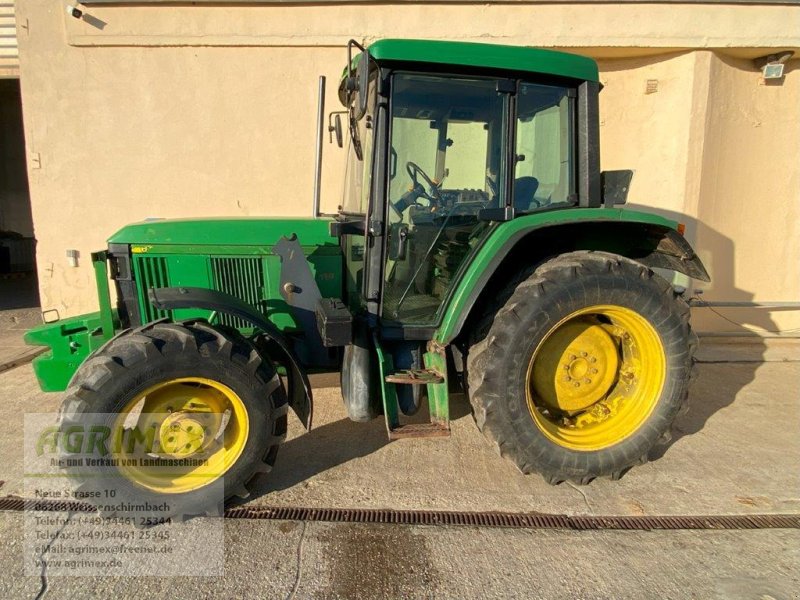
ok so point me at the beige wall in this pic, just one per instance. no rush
(209, 110)
(716, 148)
(748, 207)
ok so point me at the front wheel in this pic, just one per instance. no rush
(583, 369)
(184, 416)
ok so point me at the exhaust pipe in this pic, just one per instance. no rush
(318, 159)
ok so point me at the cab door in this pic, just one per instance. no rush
(449, 136)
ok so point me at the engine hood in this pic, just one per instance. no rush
(225, 231)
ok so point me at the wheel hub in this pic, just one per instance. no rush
(190, 416)
(577, 366)
(181, 435)
(596, 377)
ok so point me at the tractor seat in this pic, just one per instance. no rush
(524, 192)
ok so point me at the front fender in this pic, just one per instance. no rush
(299, 392)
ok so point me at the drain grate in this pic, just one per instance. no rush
(462, 518)
(515, 520)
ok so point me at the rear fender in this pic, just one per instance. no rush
(647, 238)
(299, 392)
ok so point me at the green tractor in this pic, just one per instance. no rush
(478, 247)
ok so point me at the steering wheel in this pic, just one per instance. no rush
(414, 171)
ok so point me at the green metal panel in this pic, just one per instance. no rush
(514, 58)
(220, 232)
(278, 311)
(327, 270)
(190, 271)
(388, 390)
(100, 264)
(509, 229)
(70, 341)
(438, 395)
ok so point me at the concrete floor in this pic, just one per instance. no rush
(735, 452)
(322, 560)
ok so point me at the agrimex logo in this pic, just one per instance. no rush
(97, 440)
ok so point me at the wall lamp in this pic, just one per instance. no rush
(771, 66)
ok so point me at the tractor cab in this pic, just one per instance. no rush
(439, 153)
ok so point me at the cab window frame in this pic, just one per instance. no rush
(585, 154)
(571, 93)
(504, 180)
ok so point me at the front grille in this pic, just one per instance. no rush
(154, 274)
(242, 278)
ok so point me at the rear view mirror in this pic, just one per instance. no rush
(335, 127)
(357, 83)
(338, 129)
(362, 72)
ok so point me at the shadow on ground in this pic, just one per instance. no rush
(718, 253)
(322, 448)
(333, 444)
(707, 396)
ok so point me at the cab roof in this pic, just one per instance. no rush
(490, 56)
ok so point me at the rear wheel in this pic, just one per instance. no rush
(195, 413)
(583, 368)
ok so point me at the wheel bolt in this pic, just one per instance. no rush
(572, 357)
(584, 354)
(592, 359)
(567, 378)
(594, 370)
(587, 380)
(577, 384)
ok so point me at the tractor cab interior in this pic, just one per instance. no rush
(448, 162)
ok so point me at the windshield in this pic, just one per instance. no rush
(447, 137)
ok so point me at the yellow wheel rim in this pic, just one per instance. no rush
(596, 377)
(180, 435)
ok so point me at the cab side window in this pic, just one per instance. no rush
(544, 171)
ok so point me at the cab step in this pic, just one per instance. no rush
(414, 377)
(419, 430)
(432, 377)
